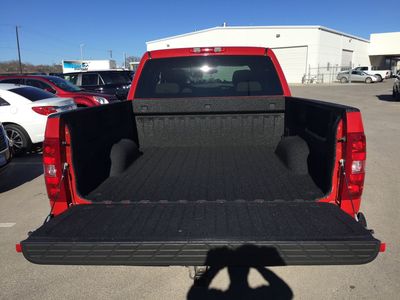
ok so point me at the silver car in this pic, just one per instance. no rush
(356, 76)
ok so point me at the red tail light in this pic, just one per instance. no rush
(44, 110)
(355, 164)
(53, 169)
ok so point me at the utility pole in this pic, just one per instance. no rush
(19, 51)
(124, 60)
(110, 51)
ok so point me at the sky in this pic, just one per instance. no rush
(50, 31)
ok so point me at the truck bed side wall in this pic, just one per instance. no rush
(93, 133)
(316, 122)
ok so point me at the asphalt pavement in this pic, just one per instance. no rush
(24, 205)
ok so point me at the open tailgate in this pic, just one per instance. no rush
(202, 233)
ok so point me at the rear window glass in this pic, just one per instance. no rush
(90, 79)
(12, 80)
(208, 76)
(119, 77)
(32, 93)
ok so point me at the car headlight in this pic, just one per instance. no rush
(101, 100)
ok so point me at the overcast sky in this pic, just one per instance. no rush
(53, 30)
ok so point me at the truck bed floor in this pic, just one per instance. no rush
(207, 173)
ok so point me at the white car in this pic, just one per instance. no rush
(24, 111)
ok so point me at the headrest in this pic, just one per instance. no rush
(167, 88)
(243, 75)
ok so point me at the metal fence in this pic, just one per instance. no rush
(326, 74)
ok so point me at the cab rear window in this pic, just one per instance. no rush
(32, 94)
(208, 76)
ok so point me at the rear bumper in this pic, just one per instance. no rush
(199, 254)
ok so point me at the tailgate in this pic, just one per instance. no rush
(202, 233)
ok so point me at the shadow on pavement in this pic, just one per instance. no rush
(386, 97)
(239, 287)
(20, 170)
(238, 275)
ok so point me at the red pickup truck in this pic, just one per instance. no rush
(213, 162)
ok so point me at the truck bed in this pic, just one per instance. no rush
(207, 173)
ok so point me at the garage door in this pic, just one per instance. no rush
(293, 61)
(347, 58)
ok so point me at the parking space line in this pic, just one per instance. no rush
(6, 225)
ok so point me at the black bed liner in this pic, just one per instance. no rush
(207, 173)
(202, 233)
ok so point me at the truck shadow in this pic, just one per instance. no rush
(20, 170)
(238, 275)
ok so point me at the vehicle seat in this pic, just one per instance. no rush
(172, 82)
(244, 82)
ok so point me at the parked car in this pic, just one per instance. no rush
(61, 88)
(396, 87)
(5, 148)
(108, 82)
(24, 111)
(213, 162)
(380, 74)
(356, 76)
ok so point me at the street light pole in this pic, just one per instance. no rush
(81, 45)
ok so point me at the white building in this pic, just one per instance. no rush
(303, 51)
(384, 50)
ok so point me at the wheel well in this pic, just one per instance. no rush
(12, 123)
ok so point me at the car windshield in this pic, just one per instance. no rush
(64, 84)
(31, 93)
(119, 77)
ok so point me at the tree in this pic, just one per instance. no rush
(132, 59)
(12, 66)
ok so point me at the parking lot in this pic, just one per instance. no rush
(24, 205)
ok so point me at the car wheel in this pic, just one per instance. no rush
(395, 94)
(368, 80)
(343, 80)
(21, 143)
(379, 77)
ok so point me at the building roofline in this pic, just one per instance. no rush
(260, 27)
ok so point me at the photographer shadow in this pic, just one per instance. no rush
(238, 263)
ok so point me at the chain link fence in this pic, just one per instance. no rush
(327, 74)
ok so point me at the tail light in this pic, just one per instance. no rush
(53, 170)
(355, 164)
(44, 110)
